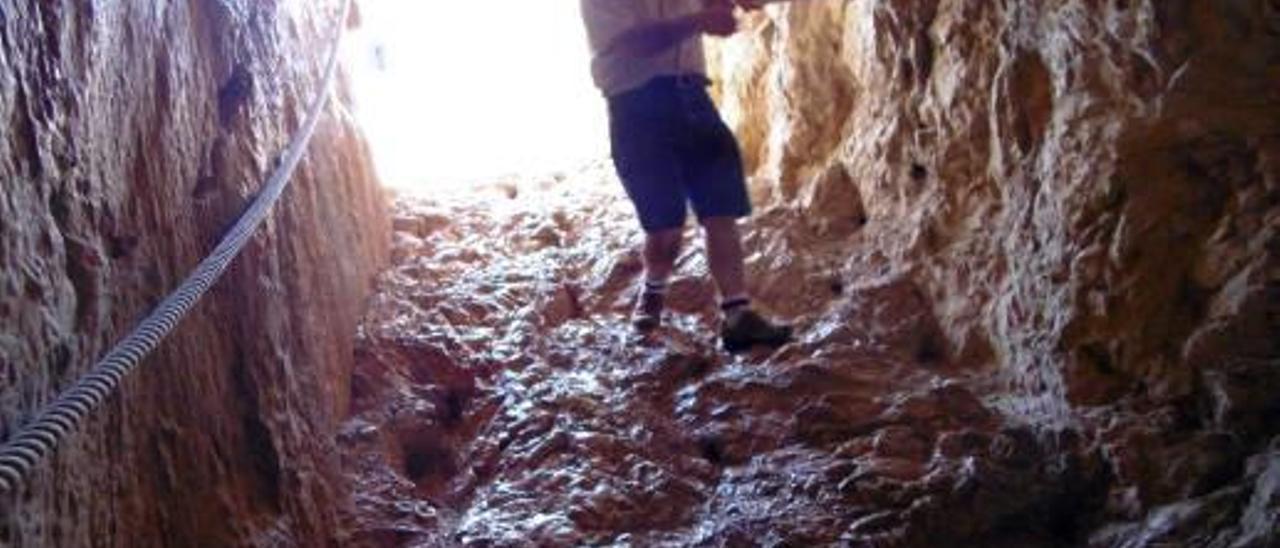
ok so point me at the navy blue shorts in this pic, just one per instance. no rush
(671, 148)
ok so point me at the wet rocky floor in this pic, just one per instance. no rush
(501, 398)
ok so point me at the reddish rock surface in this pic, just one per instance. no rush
(500, 397)
(1031, 249)
(1087, 197)
(134, 134)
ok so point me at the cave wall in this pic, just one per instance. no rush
(1088, 192)
(135, 133)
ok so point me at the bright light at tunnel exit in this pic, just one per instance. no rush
(466, 91)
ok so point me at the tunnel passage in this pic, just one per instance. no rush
(1029, 247)
(971, 221)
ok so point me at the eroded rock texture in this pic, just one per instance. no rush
(501, 398)
(134, 133)
(1030, 248)
(1087, 192)
(1098, 178)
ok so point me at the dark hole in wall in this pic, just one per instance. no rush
(427, 461)
(213, 169)
(23, 128)
(82, 264)
(60, 360)
(32, 288)
(121, 246)
(907, 71)
(931, 349)
(162, 90)
(1033, 85)
(360, 388)
(698, 366)
(424, 462)
(919, 172)
(60, 206)
(234, 94)
(259, 446)
(264, 458)
(712, 450)
(205, 185)
(454, 405)
(923, 55)
(1100, 357)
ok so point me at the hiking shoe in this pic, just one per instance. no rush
(648, 313)
(745, 329)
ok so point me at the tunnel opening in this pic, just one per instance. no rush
(454, 94)
(1034, 281)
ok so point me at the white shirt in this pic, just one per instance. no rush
(615, 73)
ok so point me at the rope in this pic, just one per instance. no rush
(38, 438)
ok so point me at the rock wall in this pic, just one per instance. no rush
(1088, 193)
(135, 133)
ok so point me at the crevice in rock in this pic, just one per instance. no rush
(260, 447)
(234, 94)
(427, 462)
(711, 450)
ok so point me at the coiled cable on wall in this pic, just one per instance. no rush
(36, 440)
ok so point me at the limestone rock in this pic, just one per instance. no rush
(1083, 192)
(135, 133)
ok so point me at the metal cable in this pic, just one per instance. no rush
(38, 438)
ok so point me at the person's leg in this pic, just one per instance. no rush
(661, 249)
(742, 327)
(641, 130)
(724, 254)
(718, 190)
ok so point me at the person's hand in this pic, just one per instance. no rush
(717, 20)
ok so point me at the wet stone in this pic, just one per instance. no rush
(506, 388)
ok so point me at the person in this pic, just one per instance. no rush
(671, 148)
